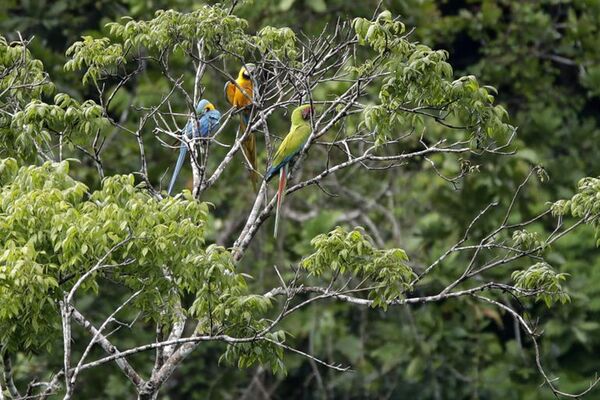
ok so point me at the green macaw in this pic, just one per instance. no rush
(288, 149)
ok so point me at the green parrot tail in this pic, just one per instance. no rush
(280, 196)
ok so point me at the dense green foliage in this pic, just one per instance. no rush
(74, 229)
(58, 220)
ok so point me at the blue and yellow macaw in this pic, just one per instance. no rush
(288, 149)
(242, 99)
(205, 122)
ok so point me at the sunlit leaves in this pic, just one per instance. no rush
(53, 228)
(96, 55)
(54, 231)
(526, 240)
(353, 252)
(27, 124)
(171, 30)
(67, 116)
(22, 80)
(21, 76)
(262, 352)
(382, 34)
(8, 170)
(543, 279)
(584, 204)
(210, 27)
(218, 287)
(419, 83)
(224, 304)
(277, 42)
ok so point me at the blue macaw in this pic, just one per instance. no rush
(206, 122)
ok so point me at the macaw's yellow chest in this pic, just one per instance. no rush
(243, 98)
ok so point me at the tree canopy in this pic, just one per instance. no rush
(439, 228)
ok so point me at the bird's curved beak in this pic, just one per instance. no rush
(248, 70)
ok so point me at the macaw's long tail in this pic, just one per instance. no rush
(249, 146)
(180, 160)
(280, 196)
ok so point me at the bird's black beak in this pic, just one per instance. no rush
(249, 70)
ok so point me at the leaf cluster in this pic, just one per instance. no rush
(541, 277)
(22, 80)
(66, 117)
(342, 251)
(420, 78)
(526, 240)
(54, 231)
(277, 43)
(97, 55)
(213, 26)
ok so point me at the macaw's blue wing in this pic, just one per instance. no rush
(207, 124)
(210, 122)
(275, 168)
